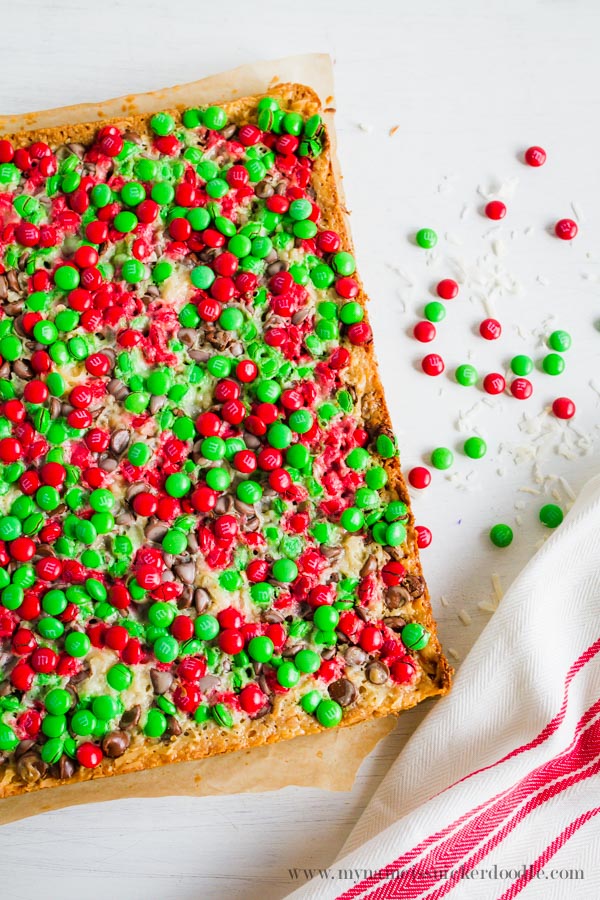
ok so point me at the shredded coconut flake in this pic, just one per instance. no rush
(497, 587)
(567, 488)
(464, 617)
(484, 606)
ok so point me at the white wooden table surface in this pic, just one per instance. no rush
(470, 85)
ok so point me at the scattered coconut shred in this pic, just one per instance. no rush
(487, 284)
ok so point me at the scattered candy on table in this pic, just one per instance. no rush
(495, 210)
(551, 515)
(501, 535)
(466, 375)
(447, 289)
(563, 408)
(426, 238)
(432, 364)
(566, 229)
(490, 329)
(424, 332)
(442, 458)
(475, 448)
(521, 388)
(419, 477)
(535, 156)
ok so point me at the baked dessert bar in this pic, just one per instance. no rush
(206, 542)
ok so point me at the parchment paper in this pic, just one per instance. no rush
(328, 760)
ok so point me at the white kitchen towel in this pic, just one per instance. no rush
(497, 793)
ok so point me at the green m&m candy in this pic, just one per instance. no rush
(426, 238)
(166, 648)
(8, 739)
(222, 716)
(553, 364)
(326, 618)
(307, 661)
(442, 458)
(310, 701)
(434, 311)
(288, 675)
(285, 570)
(215, 118)
(261, 648)
(559, 341)
(77, 644)
(58, 701)
(206, 627)
(501, 535)
(119, 677)
(352, 519)
(466, 375)
(521, 365)
(551, 515)
(414, 636)
(329, 713)
(475, 447)
(156, 724)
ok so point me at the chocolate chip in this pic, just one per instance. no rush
(108, 465)
(22, 369)
(342, 691)
(117, 389)
(369, 566)
(131, 717)
(66, 767)
(119, 441)
(161, 681)
(396, 623)
(115, 744)
(355, 656)
(173, 727)
(31, 768)
(377, 672)
(201, 600)
(184, 601)
(23, 747)
(125, 519)
(415, 585)
(155, 532)
(186, 572)
(263, 190)
(396, 596)
(156, 403)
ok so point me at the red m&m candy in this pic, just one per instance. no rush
(566, 229)
(419, 477)
(495, 209)
(563, 408)
(424, 331)
(432, 364)
(423, 536)
(521, 388)
(490, 329)
(535, 156)
(447, 289)
(494, 383)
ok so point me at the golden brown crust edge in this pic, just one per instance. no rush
(287, 719)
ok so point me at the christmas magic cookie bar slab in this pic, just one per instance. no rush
(206, 539)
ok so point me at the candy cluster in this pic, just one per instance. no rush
(196, 521)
